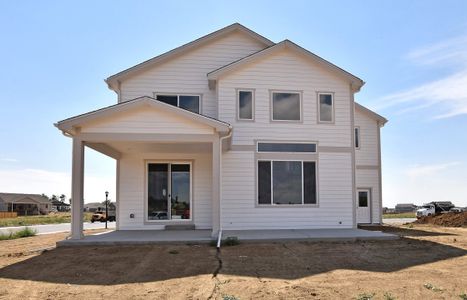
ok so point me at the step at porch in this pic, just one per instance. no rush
(180, 227)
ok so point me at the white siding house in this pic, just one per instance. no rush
(234, 131)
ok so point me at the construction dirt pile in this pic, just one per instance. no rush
(447, 220)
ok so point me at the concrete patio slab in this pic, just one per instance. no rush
(146, 237)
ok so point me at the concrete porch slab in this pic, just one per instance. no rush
(308, 235)
(147, 237)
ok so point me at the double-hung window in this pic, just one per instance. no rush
(245, 105)
(326, 107)
(286, 106)
(188, 102)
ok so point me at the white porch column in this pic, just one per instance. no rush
(77, 187)
(216, 156)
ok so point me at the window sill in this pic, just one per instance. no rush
(286, 205)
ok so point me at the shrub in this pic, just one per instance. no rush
(18, 234)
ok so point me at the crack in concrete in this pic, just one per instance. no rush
(217, 282)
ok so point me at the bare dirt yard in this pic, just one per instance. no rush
(428, 262)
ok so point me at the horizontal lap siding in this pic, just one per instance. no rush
(187, 73)
(238, 196)
(370, 179)
(147, 120)
(286, 71)
(132, 189)
(368, 152)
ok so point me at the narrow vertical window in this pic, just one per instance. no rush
(309, 182)
(245, 105)
(357, 137)
(326, 108)
(264, 182)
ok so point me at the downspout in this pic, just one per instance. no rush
(229, 135)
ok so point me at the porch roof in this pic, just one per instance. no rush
(70, 125)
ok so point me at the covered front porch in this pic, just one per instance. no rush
(168, 165)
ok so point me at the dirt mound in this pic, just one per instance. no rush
(447, 220)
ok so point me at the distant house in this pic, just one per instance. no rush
(25, 204)
(58, 205)
(405, 207)
(97, 206)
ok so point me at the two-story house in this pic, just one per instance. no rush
(234, 131)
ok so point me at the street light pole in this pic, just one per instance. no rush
(106, 208)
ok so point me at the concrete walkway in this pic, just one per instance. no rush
(55, 228)
(398, 221)
(145, 237)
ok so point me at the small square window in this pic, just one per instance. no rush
(286, 106)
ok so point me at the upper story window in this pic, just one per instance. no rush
(188, 102)
(326, 107)
(357, 137)
(286, 106)
(245, 105)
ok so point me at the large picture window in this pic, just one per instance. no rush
(286, 106)
(188, 102)
(286, 182)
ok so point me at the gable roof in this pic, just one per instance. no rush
(68, 125)
(112, 81)
(356, 82)
(14, 197)
(382, 120)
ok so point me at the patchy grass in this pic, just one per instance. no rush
(388, 296)
(365, 296)
(399, 216)
(52, 218)
(18, 234)
(429, 286)
(463, 296)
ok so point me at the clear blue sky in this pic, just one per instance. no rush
(54, 56)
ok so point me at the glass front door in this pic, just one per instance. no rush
(169, 191)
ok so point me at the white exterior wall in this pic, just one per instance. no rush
(188, 72)
(239, 209)
(370, 179)
(367, 162)
(367, 154)
(131, 188)
(146, 120)
(286, 71)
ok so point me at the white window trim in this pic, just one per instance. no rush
(272, 204)
(357, 128)
(146, 206)
(271, 104)
(200, 97)
(319, 110)
(252, 104)
(287, 142)
(368, 193)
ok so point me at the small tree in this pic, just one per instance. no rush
(62, 198)
(54, 198)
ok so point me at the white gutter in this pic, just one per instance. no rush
(229, 135)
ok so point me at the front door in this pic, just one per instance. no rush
(363, 206)
(169, 191)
